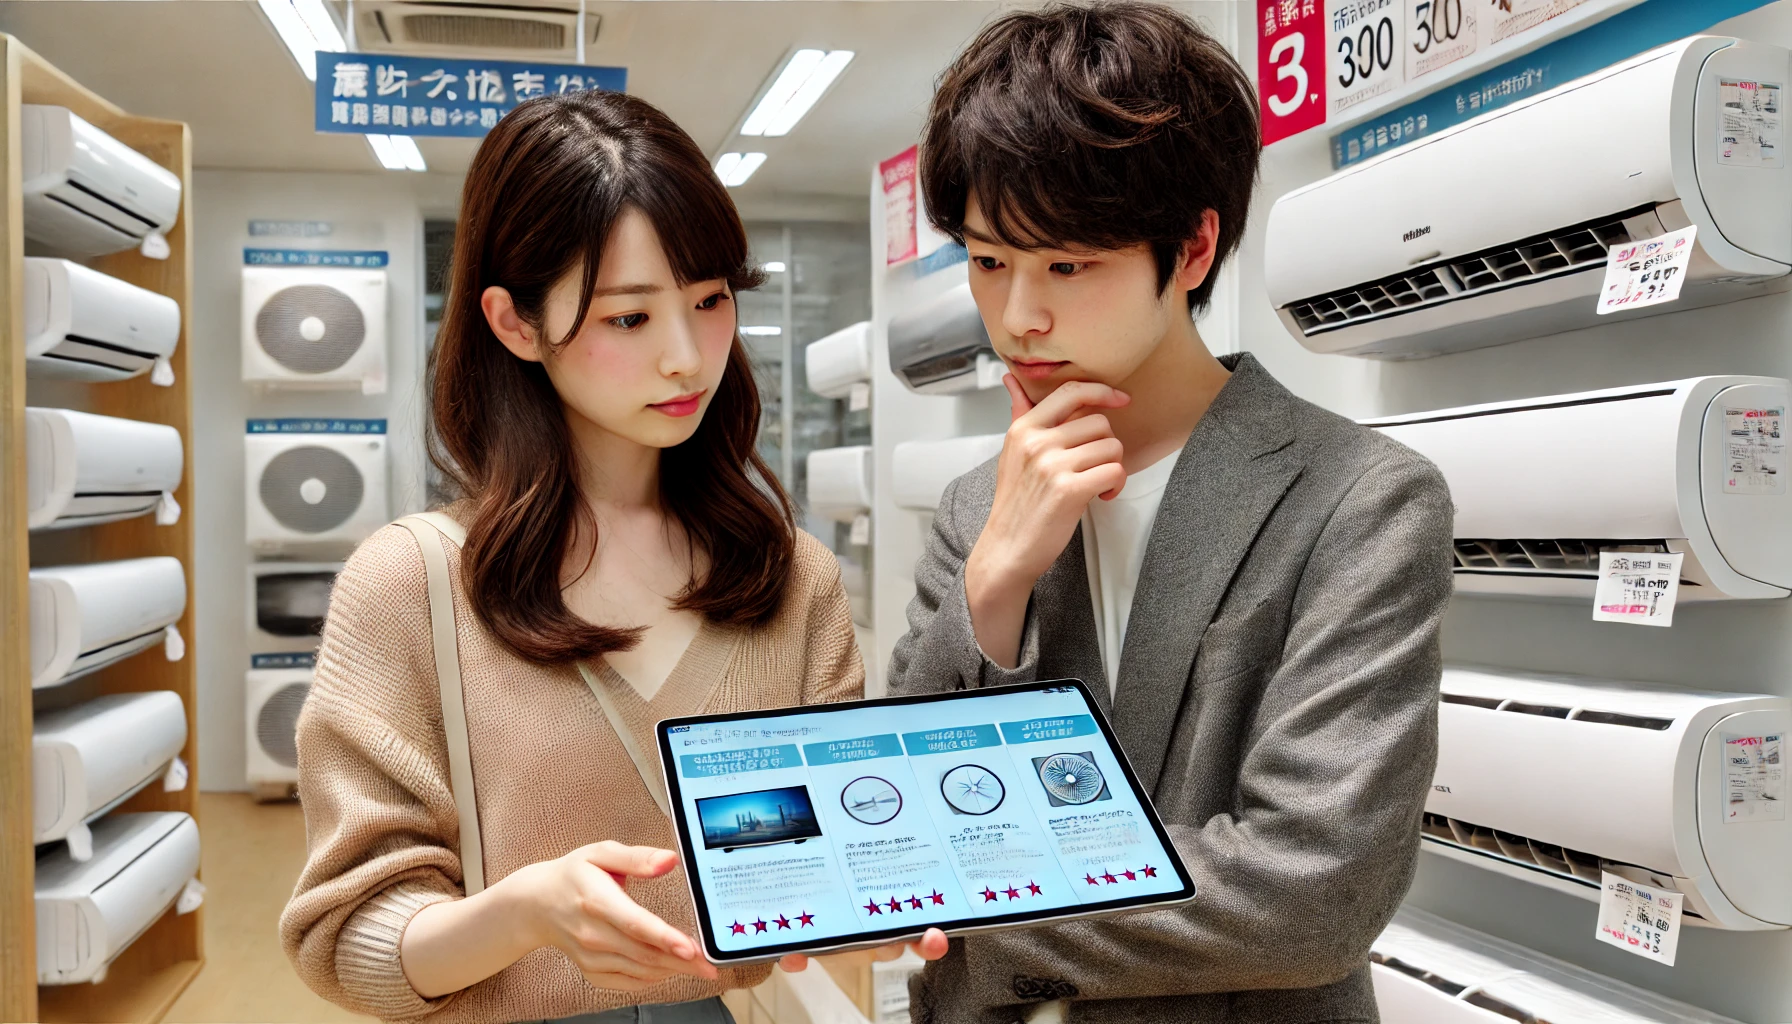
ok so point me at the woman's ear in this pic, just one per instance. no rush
(501, 315)
(1196, 259)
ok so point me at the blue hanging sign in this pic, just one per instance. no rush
(1600, 45)
(386, 94)
(314, 257)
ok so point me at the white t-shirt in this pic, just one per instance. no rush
(1114, 537)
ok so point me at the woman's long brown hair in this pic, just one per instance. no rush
(545, 189)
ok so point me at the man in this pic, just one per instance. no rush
(1251, 585)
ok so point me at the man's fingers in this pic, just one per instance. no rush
(1077, 431)
(1019, 403)
(1098, 452)
(794, 963)
(1105, 480)
(1072, 396)
(931, 946)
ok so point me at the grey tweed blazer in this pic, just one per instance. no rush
(1277, 697)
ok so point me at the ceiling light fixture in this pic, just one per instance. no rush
(306, 26)
(295, 33)
(762, 332)
(735, 168)
(774, 267)
(802, 82)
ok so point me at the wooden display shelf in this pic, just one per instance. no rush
(146, 979)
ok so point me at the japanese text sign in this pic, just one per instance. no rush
(386, 94)
(1290, 66)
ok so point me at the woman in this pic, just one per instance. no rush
(623, 543)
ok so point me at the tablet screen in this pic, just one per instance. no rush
(840, 824)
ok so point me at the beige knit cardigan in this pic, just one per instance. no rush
(549, 776)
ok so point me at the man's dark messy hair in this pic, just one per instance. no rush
(1094, 126)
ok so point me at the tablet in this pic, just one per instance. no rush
(834, 826)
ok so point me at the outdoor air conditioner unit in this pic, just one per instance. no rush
(1554, 779)
(1437, 246)
(288, 602)
(89, 758)
(82, 469)
(1427, 970)
(88, 912)
(86, 193)
(274, 699)
(314, 492)
(81, 324)
(840, 360)
(85, 617)
(537, 30)
(920, 470)
(321, 327)
(1543, 485)
(942, 349)
(839, 484)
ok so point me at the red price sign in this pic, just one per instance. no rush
(1290, 66)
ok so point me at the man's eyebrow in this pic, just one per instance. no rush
(627, 289)
(978, 236)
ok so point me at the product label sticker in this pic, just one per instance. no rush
(1643, 919)
(858, 399)
(1754, 778)
(1756, 450)
(1637, 588)
(1364, 42)
(861, 530)
(1511, 17)
(1648, 272)
(1439, 33)
(1749, 128)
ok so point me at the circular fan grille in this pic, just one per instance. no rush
(310, 328)
(871, 800)
(311, 489)
(277, 724)
(1071, 778)
(972, 789)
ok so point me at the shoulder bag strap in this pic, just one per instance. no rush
(429, 528)
(650, 774)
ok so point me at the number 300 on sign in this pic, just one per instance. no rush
(1365, 50)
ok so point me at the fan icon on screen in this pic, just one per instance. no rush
(1071, 778)
(871, 800)
(972, 789)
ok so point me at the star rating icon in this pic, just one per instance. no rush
(1109, 878)
(758, 926)
(737, 929)
(1011, 892)
(1033, 888)
(1130, 874)
(914, 902)
(989, 895)
(1150, 872)
(1091, 879)
(895, 905)
(874, 907)
(938, 898)
(806, 919)
(783, 923)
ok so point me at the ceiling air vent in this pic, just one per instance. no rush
(535, 31)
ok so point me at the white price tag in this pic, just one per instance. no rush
(1511, 17)
(1647, 273)
(859, 398)
(175, 779)
(1756, 450)
(1754, 778)
(161, 373)
(80, 843)
(1750, 132)
(167, 510)
(861, 530)
(1364, 42)
(1438, 33)
(191, 896)
(1637, 588)
(155, 246)
(174, 646)
(1643, 919)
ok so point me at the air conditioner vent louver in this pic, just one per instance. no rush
(1617, 718)
(277, 724)
(1554, 555)
(1446, 280)
(477, 30)
(1585, 868)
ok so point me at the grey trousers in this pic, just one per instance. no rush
(701, 1011)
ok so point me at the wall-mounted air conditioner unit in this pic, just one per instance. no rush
(315, 327)
(840, 360)
(81, 324)
(82, 469)
(1430, 249)
(274, 697)
(287, 604)
(1428, 970)
(88, 912)
(942, 348)
(86, 193)
(85, 617)
(920, 470)
(1554, 779)
(839, 485)
(1543, 485)
(89, 758)
(315, 492)
(541, 30)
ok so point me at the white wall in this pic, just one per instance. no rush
(368, 211)
(1747, 647)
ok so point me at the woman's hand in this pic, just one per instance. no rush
(930, 946)
(576, 904)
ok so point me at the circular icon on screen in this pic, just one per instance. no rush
(972, 789)
(1071, 778)
(871, 800)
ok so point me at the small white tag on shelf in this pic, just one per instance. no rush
(1648, 272)
(190, 897)
(1643, 919)
(859, 398)
(174, 646)
(167, 510)
(162, 374)
(1637, 588)
(374, 383)
(861, 530)
(1754, 778)
(80, 843)
(175, 779)
(155, 246)
(1756, 449)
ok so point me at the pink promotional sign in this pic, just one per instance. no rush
(898, 177)
(1290, 66)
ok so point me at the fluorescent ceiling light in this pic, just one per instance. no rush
(762, 332)
(804, 79)
(306, 27)
(300, 41)
(323, 27)
(735, 168)
(774, 267)
(397, 152)
(408, 152)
